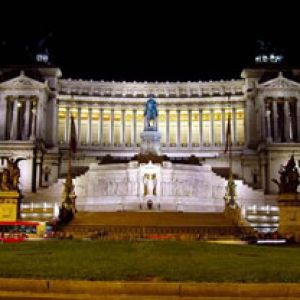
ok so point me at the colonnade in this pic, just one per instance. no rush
(280, 120)
(20, 118)
(94, 121)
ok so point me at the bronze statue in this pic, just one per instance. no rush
(150, 113)
(230, 194)
(67, 209)
(11, 175)
(5, 180)
(289, 177)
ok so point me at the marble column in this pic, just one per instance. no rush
(67, 124)
(298, 119)
(33, 126)
(40, 115)
(112, 126)
(212, 131)
(89, 129)
(178, 141)
(275, 121)
(268, 118)
(133, 135)
(26, 128)
(234, 126)
(100, 127)
(223, 139)
(14, 124)
(248, 119)
(4, 117)
(167, 127)
(123, 127)
(54, 121)
(287, 121)
(190, 140)
(78, 125)
(200, 127)
(262, 118)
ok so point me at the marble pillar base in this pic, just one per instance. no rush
(10, 205)
(289, 215)
(176, 187)
(150, 142)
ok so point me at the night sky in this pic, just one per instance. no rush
(149, 40)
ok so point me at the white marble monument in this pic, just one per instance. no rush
(165, 187)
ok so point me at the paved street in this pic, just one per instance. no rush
(35, 296)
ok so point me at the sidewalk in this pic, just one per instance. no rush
(35, 296)
(50, 289)
(72, 289)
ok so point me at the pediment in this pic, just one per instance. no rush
(280, 82)
(22, 82)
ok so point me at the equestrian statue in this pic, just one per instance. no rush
(150, 115)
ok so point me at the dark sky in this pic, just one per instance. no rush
(188, 40)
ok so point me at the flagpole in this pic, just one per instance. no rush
(230, 155)
(69, 174)
(69, 193)
(230, 179)
(70, 163)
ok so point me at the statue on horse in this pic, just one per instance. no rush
(150, 114)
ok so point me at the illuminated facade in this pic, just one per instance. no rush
(36, 105)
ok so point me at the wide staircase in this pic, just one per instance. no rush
(152, 225)
(263, 216)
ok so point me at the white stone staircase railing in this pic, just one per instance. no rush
(247, 198)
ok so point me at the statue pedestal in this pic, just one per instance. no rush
(150, 142)
(289, 215)
(9, 205)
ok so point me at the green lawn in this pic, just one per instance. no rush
(158, 260)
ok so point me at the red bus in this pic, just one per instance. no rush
(19, 231)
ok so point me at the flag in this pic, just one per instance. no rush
(73, 139)
(228, 135)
